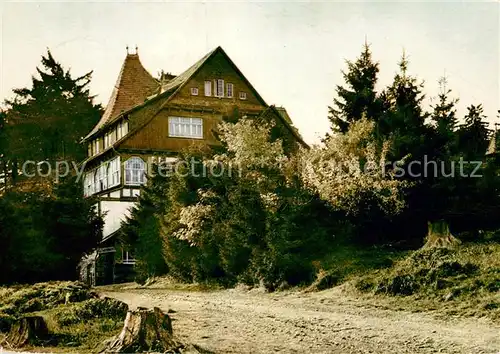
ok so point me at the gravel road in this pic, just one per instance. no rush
(243, 321)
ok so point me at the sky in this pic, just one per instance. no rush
(293, 53)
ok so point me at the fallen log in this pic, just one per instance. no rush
(144, 331)
(26, 330)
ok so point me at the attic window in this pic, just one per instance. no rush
(184, 127)
(194, 91)
(208, 88)
(219, 88)
(230, 89)
(243, 95)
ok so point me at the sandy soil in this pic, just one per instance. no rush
(243, 321)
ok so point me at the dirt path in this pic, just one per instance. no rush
(238, 321)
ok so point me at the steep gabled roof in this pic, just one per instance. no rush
(133, 86)
(282, 111)
(176, 84)
(181, 79)
(287, 122)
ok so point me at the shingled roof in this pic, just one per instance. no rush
(133, 86)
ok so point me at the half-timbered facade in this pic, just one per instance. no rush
(146, 119)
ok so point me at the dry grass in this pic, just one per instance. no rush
(77, 320)
(463, 281)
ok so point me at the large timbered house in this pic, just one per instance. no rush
(147, 119)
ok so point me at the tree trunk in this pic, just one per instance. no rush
(144, 330)
(438, 235)
(27, 330)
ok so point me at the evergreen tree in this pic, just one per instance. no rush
(445, 121)
(48, 120)
(473, 134)
(3, 143)
(43, 236)
(404, 120)
(72, 226)
(141, 230)
(358, 97)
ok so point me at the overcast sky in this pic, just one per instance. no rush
(292, 53)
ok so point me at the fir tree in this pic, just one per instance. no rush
(444, 121)
(404, 120)
(141, 230)
(48, 120)
(473, 134)
(358, 97)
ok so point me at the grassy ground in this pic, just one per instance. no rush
(76, 318)
(464, 281)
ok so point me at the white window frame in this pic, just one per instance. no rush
(88, 188)
(113, 136)
(229, 90)
(194, 91)
(121, 129)
(185, 127)
(103, 176)
(219, 89)
(113, 172)
(135, 171)
(208, 88)
(243, 95)
(96, 146)
(95, 177)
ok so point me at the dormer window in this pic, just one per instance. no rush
(194, 91)
(229, 90)
(243, 95)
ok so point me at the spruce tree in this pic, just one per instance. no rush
(358, 97)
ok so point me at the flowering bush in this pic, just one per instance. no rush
(350, 170)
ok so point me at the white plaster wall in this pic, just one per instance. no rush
(115, 212)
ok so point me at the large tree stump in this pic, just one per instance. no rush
(439, 235)
(26, 330)
(143, 331)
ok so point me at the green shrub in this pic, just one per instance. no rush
(91, 309)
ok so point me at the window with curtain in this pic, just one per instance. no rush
(135, 171)
(219, 88)
(88, 184)
(208, 88)
(113, 172)
(103, 178)
(185, 127)
(229, 90)
(97, 188)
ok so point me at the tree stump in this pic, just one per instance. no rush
(439, 235)
(143, 331)
(26, 330)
